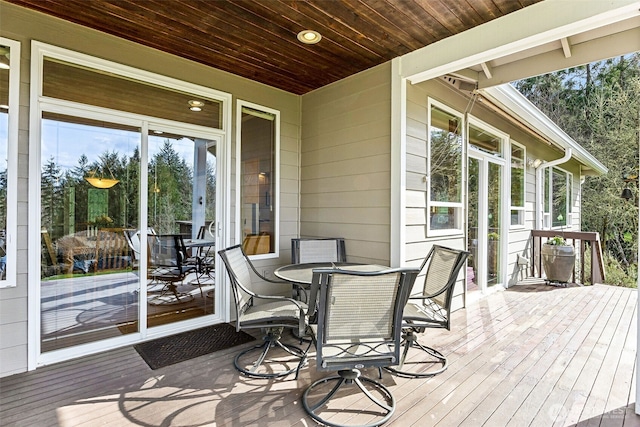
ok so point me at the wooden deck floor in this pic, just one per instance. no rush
(533, 355)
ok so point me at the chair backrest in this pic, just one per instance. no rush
(318, 250)
(239, 269)
(441, 268)
(132, 236)
(165, 250)
(360, 317)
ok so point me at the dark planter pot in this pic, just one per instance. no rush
(558, 262)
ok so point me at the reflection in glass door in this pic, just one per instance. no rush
(484, 219)
(102, 268)
(181, 203)
(89, 197)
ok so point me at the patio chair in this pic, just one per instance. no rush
(430, 308)
(318, 250)
(270, 313)
(206, 256)
(166, 266)
(359, 326)
(132, 236)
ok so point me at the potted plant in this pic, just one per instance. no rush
(558, 259)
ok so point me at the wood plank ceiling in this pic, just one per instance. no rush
(257, 39)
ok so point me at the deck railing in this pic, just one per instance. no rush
(588, 251)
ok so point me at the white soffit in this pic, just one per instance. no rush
(529, 42)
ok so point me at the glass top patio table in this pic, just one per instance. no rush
(303, 273)
(199, 243)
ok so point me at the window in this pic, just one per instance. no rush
(9, 88)
(557, 198)
(259, 132)
(68, 81)
(518, 154)
(444, 170)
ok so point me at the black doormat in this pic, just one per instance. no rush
(187, 345)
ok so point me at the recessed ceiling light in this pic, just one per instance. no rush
(196, 105)
(309, 36)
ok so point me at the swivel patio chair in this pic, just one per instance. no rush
(166, 266)
(318, 250)
(430, 308)
(272, 314)
(359, 326)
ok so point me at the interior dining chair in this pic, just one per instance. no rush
(359, 326)
(270, 313)
(307, 250)
(429, 308)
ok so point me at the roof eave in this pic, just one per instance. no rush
(510, 100)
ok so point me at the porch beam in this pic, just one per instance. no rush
(566, 47)
(533, 26)
(584, 53)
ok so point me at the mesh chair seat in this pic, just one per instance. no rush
(359, 326)
(277, 312)
(268, 312)
(423, 315)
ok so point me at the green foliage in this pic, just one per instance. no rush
(556, 241)
(617, 275)
(65, 195)
(598, 105)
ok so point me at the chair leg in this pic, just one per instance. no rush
(347, 378)
(271, 341)
(165, 299)
(418, 367)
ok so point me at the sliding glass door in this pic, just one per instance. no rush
(103, 207)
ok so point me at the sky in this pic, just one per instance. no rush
(66, 142)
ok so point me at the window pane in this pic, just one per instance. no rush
(517, 184)
(4, 167)
(89, 196)
(181, 200)
(559, 208)
(258, 140)
(570, 202)
(444, 218)
(485, 141)
(85, 85)
(445, 161)
(517, 177)
(517, 217)
(547, 189)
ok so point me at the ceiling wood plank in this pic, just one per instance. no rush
(257, 39)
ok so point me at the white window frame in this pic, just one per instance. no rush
(238, 167)
(458, 206)
(11, 244)
(40, 103)
(524, 185)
